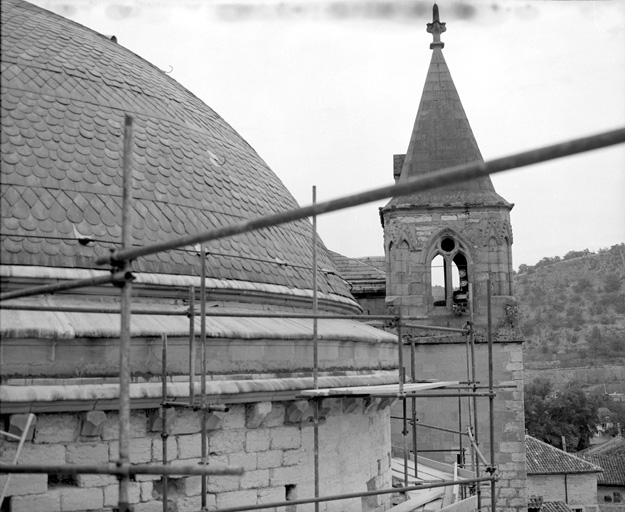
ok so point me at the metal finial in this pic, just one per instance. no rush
(436, 28)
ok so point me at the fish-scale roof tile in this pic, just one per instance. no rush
(65, 90)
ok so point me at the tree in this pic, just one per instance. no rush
(550, 416)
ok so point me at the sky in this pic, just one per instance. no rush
(326, 91)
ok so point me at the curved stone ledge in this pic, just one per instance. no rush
(42, 398)
(170, 280)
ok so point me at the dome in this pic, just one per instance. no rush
(65, 92)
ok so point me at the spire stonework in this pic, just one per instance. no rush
(436, 28)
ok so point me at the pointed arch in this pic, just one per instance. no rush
(453, 250)
(398, 265)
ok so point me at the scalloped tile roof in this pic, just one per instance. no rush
(544, 459)
(65, 91)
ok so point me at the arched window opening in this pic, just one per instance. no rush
(450, 276)
(437, 271)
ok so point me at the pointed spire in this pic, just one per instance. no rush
(442, 137)
(436, 28)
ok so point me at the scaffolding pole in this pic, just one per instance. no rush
(164, 426)
(315, 352)
(126, 304)
(204, 445)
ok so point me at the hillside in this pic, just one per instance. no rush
(572, 309)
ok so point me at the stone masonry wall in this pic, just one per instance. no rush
(409, 239)
(272, 441)
(448, 362)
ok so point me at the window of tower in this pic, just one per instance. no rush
(438, 280)
(450, 276)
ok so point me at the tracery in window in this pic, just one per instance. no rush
(449, 270)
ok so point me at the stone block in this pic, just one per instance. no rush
(299, 411)
(150, 506)
(111, 494)
(146, 490)
(292, 457)
(275, 418)
(257, 440)
(371, 405)
(271, 494)
(140, 451)
(328, 406)
(226, 441)
(190, 486)
(234, 418)
(351, 404)
(247, 461)
(256, 413)
(194, 503)
(255, 479)
(155, 419)
(88, 481)
(214, 419)
(87, 453)
(237, 498)
(92, 423)
(34, 453)
(172, 448)
(284, 475)
(47, 502)
(223, 483)
(189, 446)
(57, 428)
(81, 499)
(185, 421)
(20, 484)
(285, 438)
(138, 425)
(17, 425)
(269, 459)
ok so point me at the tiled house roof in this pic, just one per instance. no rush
(544, 459)
(65, 91)
(555, 506)
(613, 466)
(351, 269)
(614, 446)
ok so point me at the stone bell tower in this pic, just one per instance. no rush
(457, 236)
(442, 247)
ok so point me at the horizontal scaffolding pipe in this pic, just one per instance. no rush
(199, 407)
(116, 277)
(114, 469)
(352, 495)
(417, 395)
(419, 424)
(90, 309)
(446, 395)
(426, 182)
(436, 328)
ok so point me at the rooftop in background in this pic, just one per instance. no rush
(544, 459)
(614, 446)
(613, 466)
